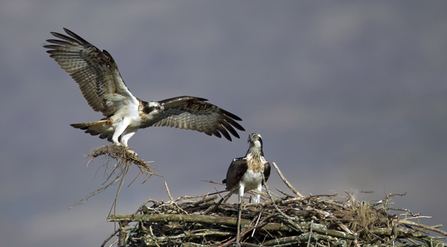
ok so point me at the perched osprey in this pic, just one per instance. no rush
(102, 86)
(246, 172)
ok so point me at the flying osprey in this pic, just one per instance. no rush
(104, 89)
(246, 172)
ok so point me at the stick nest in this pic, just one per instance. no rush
(288, 220)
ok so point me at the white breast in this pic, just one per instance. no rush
(251, 180)
(129, 113)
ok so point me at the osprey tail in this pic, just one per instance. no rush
(94, 128)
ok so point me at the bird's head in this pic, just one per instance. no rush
(255, 140)
(156, 106)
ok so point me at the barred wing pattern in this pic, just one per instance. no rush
(94, 70)
(194, 113)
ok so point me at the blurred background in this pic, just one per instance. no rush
(347, 95)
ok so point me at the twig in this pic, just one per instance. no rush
(169, 193)
(110, 237)
(193, 218)
(249, 229)
(310, 233)
(122, 236)
(231, 193)
(282, 192)
(212, 182)
(407, 222)
(153, 235)
(212, 208)
(285, 181)
(347, 230)
(172, 200)
(288, 218)
(218, 192)
(112, 244)
(123, 178)
(205, 200)
(238, 229)
(257, 221)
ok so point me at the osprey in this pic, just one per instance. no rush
(246, 172)
(102, 86)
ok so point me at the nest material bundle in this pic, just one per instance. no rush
(122, 158)
(278, 221)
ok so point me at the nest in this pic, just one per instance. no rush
(288, 220)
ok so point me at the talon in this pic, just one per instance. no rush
(132, 153)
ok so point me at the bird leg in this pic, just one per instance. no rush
(125, 137)
(240, 193)
(257, 197)
(120, 127)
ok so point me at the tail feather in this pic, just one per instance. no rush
(100, 127)
(81, 126)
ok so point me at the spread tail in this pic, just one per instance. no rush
(100, 127)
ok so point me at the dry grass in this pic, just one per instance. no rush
(123, 158)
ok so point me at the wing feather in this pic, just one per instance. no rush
(223, 131)
(267, 169)
(231, 129)
(237, 169)
(193, 113)
(94, 70)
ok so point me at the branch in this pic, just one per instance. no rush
(407, 222)
(192, 218)
(285, 181)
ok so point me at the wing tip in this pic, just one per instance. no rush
(231, 115)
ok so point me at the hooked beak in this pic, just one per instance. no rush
(253, 137)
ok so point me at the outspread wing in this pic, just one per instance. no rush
(237, 169)
(192, 113)
(94, 70)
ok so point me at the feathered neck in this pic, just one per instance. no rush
(255, 149)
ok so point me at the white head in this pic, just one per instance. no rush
(255, 140)
(156, 105)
